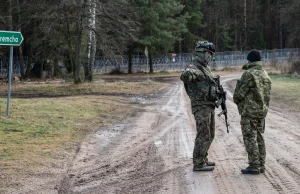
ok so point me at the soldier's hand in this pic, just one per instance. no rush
(185, 76)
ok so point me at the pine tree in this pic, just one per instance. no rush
(257, 40)
(194, 25)
(162, 26)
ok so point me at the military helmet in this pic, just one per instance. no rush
(203, 46)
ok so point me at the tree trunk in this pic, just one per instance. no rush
(41, 64)
(21, 58)
(91, 44)
(216, 31)
(235, 47)
(268, 26)
(245, 24)
(78, 31)
(68, 38)
(130, 59)
(9, 18)
(56, 70)
(10, 24)
(28, 68)
(210, 21)
(151, 63)
(77, 69)
(280, 25)
(92, 57)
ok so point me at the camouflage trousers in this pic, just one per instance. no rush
(205, 125)
(253, 130)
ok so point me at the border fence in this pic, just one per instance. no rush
(230, 59)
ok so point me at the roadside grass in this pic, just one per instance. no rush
(286, 89)
(69, 89)
(43, 132)
(92, 88)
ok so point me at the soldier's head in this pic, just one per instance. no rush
(253, 56)
(204, 52)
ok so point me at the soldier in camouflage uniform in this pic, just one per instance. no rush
(202, 90)
(252, 96)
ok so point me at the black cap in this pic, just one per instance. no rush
(254, 55)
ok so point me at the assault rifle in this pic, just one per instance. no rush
(222, 100)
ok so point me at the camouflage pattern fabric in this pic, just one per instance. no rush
(202, 90)
(205, 125)
(199, 84)
(252, 96)
(252, 92)
(253, 130)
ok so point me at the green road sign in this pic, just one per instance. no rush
(10, 38)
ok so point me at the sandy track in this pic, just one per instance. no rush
(152, 153)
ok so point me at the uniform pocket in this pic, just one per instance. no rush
(246, 126)
(245, 121)
(249, 126)
(213, 93)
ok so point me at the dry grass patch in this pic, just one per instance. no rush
(286, 89)
(96, 88)
(70, 89)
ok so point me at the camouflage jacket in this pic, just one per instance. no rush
(252, 92)
(199, 84)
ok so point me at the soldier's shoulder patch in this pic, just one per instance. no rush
(191, 66)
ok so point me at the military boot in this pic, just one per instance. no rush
(209, 163)
(203, 167)
(262, 169)
(250, 170)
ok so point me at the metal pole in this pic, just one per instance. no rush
(9, 79)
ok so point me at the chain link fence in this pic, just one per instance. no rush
(139, 63)
(178, 62)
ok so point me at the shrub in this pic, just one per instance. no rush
(295, 68)
(116, 71)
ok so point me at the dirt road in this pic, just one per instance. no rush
(152, 153)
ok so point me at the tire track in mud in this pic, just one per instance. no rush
(283, 154)
(152, 153)
(89, 178)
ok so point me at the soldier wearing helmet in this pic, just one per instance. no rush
(202, 91)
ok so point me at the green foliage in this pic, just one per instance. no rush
(257, 40)
(194, 24)
(52, 30)
(162, 24)
(225, 37)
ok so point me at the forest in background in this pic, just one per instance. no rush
(73, 32)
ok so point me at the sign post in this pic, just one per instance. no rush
(10, 38)
(11, 53)
(173, 57)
